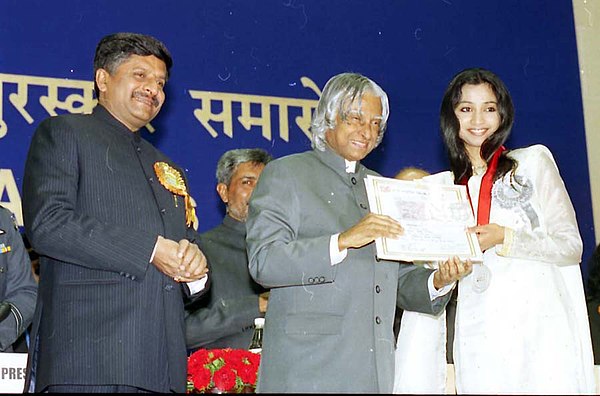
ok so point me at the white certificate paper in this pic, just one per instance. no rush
(434, 216)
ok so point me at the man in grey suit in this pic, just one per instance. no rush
(309, 234)
(18, 288)
(110, 217)
(224, 316)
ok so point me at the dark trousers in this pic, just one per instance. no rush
(450, 319)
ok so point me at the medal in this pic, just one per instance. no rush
(481, 277)
(481, 273)
(172, 180)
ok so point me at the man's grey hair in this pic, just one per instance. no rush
(229, 162)
(337, 97)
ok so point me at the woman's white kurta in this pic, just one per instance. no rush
(528, 332)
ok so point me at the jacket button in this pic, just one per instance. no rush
(377, 289)
(163, 210)
(377, 320)
(138, 149)
(362, 205)
(353, 180)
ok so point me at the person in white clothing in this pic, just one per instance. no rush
(521, 321)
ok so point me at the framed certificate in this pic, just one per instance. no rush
(434, 216)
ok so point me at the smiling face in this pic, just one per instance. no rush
(237, 194)
(134, 92)
(477, 113)
(355, 135)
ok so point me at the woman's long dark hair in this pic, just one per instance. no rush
(460, 164)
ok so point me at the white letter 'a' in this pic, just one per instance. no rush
(7, 182)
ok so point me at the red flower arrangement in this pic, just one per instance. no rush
(224, 370)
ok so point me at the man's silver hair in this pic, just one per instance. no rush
(337, 97)
(229, 162)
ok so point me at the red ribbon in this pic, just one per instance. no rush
(485, 192)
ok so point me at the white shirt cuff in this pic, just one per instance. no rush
(335, 255)
(433, 293)
(154, 250)
(197, 285)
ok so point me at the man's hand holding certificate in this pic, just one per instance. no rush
(434, 217)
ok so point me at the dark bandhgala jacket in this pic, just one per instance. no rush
(93, 208)
(224, 316)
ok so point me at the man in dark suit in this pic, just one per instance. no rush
(224, 317)
(110, 217)
(309, 234)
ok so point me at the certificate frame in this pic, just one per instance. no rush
(434, 216)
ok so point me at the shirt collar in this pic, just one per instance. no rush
(350, 166)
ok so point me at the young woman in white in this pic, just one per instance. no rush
(521, 322)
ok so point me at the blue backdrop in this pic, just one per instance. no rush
(260, 51)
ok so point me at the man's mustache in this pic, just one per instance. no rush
(154, 99)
